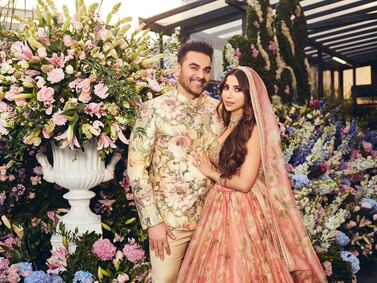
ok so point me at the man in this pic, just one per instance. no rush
(169, 191)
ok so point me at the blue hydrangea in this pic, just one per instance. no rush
(300, 181)
(349, 257)
(55, 279)
(342, 239)
(37, 277)
(83, 277)
(370, 202)
(24, 266)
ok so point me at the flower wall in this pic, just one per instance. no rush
(273, 45)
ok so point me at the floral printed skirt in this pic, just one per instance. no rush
(234, 242)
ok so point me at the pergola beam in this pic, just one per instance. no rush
(342, 21)
(330, 52)
(342, 8)
(357, 30)
(362, 37)
(181, 9)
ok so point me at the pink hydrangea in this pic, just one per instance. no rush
(104, 249)
(133, 252)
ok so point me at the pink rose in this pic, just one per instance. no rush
(56, 75)
(67, 40)
(45, 94)
(85, 97)
(13, 277)
(3, 107)
(76, 24)
(101, 90)
(84, 85)
(42, 52)
(122, 278)
(327, 267)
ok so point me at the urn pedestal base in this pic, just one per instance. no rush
(78, 171)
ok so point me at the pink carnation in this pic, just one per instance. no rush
(56, 75)
(101, 90)
(45, 94)
(104, 249)
(59, 119)
(133, 252)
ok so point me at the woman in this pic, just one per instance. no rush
(250, 228)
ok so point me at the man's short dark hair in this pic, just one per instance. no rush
(196, 46)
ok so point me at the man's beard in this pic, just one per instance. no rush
(190, 89)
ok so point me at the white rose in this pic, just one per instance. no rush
(69, 70)
(23, 64)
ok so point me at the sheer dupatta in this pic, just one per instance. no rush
(295, 245)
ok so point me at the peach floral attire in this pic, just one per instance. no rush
(257, 236)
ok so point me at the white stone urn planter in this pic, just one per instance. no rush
(78, 171)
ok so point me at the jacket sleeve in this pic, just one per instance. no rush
(140, 154)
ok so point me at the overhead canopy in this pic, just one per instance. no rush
(346, 29)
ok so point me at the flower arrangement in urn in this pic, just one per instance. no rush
(72, 79)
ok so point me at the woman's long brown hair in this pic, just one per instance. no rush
(234, 150)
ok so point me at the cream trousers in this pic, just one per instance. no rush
(166, 271)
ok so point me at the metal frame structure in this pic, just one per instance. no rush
(346, 29)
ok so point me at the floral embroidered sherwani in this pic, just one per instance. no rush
(167, 187)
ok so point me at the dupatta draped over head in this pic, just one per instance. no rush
(295, 246)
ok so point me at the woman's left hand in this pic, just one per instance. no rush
(201, 161)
